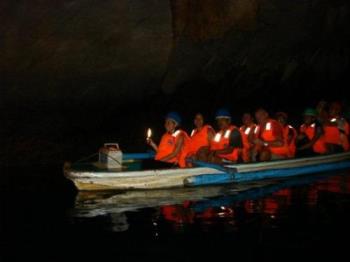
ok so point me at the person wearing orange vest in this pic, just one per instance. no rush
(248, 136)
(174, 143)
(200, 137)
(336, 130)
(227, 143)
(311, 135)
(289, 133)
(269, 142)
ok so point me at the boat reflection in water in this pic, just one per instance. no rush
(227, 206)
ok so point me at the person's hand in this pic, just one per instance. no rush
(259, 142)
(150, 142)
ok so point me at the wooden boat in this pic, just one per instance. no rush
(94, 176)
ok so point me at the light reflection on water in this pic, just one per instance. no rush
(209, 208)
(44, 219)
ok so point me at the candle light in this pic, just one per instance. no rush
(149, 133)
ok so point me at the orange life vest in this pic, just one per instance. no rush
(222, 141)
(199, 139)
(246, 132)
(290, 144)
(267, 134)
(334, 136)
(320, 146)
(167, 146)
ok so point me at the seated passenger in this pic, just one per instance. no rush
(311, 135)
(336, 130)
(227, 143)
(289, 133)
(174, 143)
(200, 136)
(248, 136)
(269, 142)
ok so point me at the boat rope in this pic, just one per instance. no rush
(116, 160)
(94, 154)
(86, 158)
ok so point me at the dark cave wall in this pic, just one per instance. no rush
(246, 46)
(201, 20)
(99, 50)
(87, 49)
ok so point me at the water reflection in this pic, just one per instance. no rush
(210, 208)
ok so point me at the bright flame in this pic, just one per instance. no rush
(149, 133)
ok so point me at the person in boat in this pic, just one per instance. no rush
(227, 144)
(201, 137)
(174, 143)
(248, 136)
(269, 142)
(289, 133)
(311, 139)
(322, 111)
(336, 130)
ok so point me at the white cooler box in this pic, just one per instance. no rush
(111, 156)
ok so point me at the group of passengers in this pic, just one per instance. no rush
(263, 138)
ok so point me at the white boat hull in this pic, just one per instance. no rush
(175, 177)
(152, 179)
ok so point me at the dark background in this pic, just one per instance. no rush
(76, 74)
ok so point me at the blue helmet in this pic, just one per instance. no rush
(174, 116)
(223, 113)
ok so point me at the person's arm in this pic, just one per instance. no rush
(152, 144)
(210, 135)
(251, 136)
(318, 134)
(235, 142)
(178, 147)
(291, 135)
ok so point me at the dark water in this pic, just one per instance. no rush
(44, 219)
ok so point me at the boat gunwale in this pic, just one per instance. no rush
(100, 180)
(305, 161)
(139, 173)
(240, 168)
